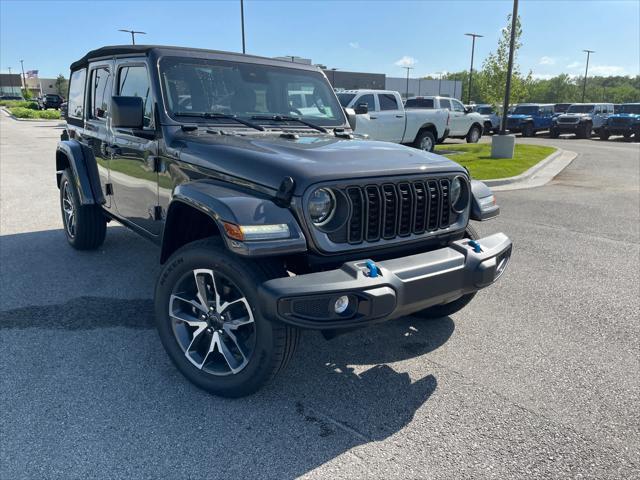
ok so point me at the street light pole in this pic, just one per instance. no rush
(10, 81)
(133, 34)
(507, 91)
(407, 91)
(242, 23)
(439, 83)
(473, 47)
(24, 80)
(586, 70)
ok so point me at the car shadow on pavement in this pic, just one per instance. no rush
(334, 396)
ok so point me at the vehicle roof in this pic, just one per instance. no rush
(536, 104)
(160, 50)
(366, 90)
(433, 97)
(630, 103)
(592, 103)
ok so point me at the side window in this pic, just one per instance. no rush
(368, 99)
(76, 94)
(457, 106)
(134, 82)
(445, 103)
(100, 93)
(387, 101)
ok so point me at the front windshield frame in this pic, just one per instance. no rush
(581, 108)
(630, 108)
(335, 119)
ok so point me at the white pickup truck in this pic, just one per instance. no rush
(463, 122)
(381, 116)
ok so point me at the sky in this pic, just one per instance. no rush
(377, 36)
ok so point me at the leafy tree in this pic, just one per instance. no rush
(62, 85)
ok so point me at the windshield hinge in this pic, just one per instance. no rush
(285, 192)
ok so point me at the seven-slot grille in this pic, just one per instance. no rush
(399, 209)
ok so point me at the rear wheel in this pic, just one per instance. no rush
(446, 309)
(425, 141)
(604, 135)
(474, 134)
(207, 315)
(85, 226)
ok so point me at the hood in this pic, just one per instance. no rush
(267, 158)
(575, 115)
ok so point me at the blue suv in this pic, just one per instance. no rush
(530, 118)
(625, 122)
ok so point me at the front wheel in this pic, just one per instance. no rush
(627, 135)
(425, 141)
(554, 132)
(446, 309)
(209, 321)
(604, 135)
(474, 134)
(528, 131)
(584, 131)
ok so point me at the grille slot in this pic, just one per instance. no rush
(393, 210)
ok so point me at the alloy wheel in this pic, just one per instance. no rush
(426, 143)
(212, 322)
(69, 210)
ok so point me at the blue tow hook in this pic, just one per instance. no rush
(373, 269)
(476, 246)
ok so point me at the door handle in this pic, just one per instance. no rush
(372, 118)
(399, 116)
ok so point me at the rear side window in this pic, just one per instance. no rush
(134, 82)
(387, 101)
(100, 92)
(444, 103)
(76, 93)
(419, 103)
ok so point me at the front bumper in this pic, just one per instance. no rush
(620, 129)
(568, 127)
(403, 285)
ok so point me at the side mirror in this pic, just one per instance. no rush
(351, 117)
(362, 109)
(468, 109)
(127, 112)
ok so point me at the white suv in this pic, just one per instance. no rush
(463, 122)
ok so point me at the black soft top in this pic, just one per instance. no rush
(124, 50)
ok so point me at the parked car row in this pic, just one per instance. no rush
(579, 119)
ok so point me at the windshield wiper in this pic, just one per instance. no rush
(286, 118)
(223, 116)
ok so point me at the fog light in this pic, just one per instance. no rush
(341, 305)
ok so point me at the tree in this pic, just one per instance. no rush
(62, 85)
(493, 77)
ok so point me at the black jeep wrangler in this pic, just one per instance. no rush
(270, 217)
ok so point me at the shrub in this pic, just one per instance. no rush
(19, 103)
(22, 112)
(50, 114)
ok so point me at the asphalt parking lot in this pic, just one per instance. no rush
(538, 378)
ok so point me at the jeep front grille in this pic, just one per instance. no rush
(393, 210)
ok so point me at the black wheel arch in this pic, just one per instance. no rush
(82, 164)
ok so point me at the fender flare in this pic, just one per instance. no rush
(427, 126)
(223, 203)
(483, 206)
(84, 170)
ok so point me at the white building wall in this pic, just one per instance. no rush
(420, 86)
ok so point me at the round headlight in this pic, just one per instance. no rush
(459, 194)
(322, 204)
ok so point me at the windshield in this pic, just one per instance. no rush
(630, 108)
(485, 110)
(345, 98)
(580, 108)
(561, 107)
(419, 103)
(525, 110)
(195, 86)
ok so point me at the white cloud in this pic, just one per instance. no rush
(542, 76)
(547, 61)
(354, 45)
(406, 61)
(575, 65)
(606, 70)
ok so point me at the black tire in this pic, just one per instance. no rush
(439, 311)
(554, 133)
(627, 135)
(425, 140)
(88, 227)
(528, 130)
(274, 343)
(584, 131)
(488, 128)
(474, 134)
(604, 135)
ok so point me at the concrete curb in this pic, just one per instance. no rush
(8, 114)
(538, 175)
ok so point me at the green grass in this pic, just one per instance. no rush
(477, 158)
(22, 112)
